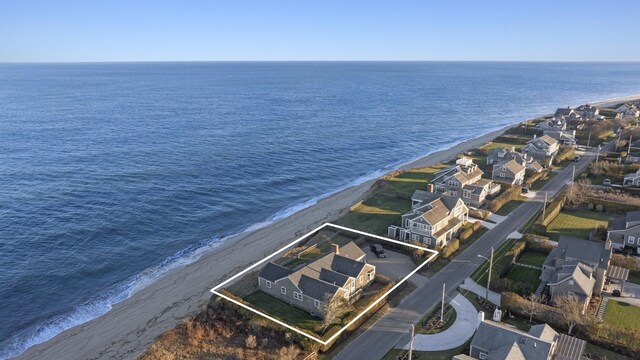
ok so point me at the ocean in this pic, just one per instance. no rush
(113, 174)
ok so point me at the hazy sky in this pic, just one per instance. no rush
(141, 30)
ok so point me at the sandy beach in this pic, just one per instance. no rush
(126, 330)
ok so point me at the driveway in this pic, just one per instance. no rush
(467, 320)
(395, 265)
(630, 295)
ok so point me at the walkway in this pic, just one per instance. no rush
(480, 290)
(459, 333)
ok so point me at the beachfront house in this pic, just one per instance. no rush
(508, 172)
(624, 232)
(563, 136)
(552, 124)
(566, 114)
(500, 341)
(464, 180)
(578, 268)
(343, 273)
(628, 110)
(500, 155)
(543, 149)
(434, 220)
(632, 179)
(588, 112)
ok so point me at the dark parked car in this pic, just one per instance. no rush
(525, 190)
(378, 250)
(616, 293)
(576, 159)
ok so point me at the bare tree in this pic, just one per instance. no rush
(334, 309)
(532, 306)
(578, 191)
(571, 311)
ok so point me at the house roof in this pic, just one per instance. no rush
(315, 288)
(324, 275)
(273, 272)
(632, 216)
(581, 274)
(548, 139)
(562, 112)
(424, 196)
(617, 223)
(510, 165)
(535, 166)
(569, 348)
(590, 252)
(505, 342)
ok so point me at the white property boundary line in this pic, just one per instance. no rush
(215, 289)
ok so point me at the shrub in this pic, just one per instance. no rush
(511, 193)
(479, 213)
(537, 243)
(533, 177)
(451, 248)
(565, 153)
(251, 342)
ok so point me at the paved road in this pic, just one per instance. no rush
(376, 341)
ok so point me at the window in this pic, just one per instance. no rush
(454, 193)
(361, 279)
(631, 240)
(268, 283)
(483, 355)
(466, 194)
(502, 175)
(297, 296)
(353, 286)
(428, 241)
(316, 303)
(406, 223)
(283, 290)
(415, 237)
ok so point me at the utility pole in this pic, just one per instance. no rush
(618, 141)
(442, 307)
(489, 279)
(411, 343)
(598, 154)
(573, 175)
(544, 206)
(629, 147)
(589, 139)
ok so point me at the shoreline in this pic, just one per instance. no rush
(134, 323)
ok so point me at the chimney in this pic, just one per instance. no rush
(336, 249)
(430, 187)
(535, 136)
(513, 149)
(607, 244)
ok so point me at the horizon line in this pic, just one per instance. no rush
(309, 61)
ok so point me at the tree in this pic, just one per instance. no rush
(333, 309)
(251, 342)
(571, 311)
(288, 352)
(578, 191)
(532, 306)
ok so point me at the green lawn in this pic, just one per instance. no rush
(578, 223)
(542, 182)
(532, 258)
(283, 311)
(510, 206)
(406, 182)
(603, 353)
(496, 144)
(376, 214)
(529, 278)
(622, 315)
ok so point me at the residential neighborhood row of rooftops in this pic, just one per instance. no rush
(576, 268)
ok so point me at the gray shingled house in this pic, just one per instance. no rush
(624, 232)
(499, 341)
(577, 268)
(435, 219)
(542, 148)
(500, 155)
(509, 172)
(464, 180)
(588, 112)
(341, 273)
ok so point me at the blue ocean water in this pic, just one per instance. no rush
(112, 174)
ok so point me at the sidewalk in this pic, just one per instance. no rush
(481, 291)
(460, 332)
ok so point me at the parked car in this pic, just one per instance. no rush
(378, 250)
(606, 182)
(576, 159)
(616, 293)
(525, 190)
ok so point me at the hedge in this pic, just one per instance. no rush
(534, 177)
(536, 243)
(511, 193)
(478, 213)
(467, 233)
(565, 153)
(452, 247)
(554, 208)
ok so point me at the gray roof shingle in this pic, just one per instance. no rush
(273, 272)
